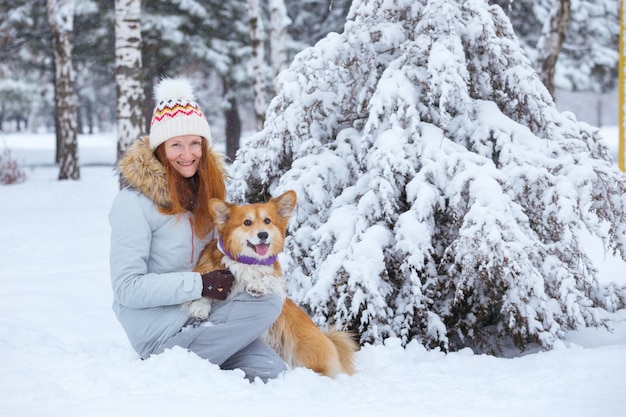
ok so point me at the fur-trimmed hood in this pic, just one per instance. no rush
(140, 169)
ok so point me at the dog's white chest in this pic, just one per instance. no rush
(255, 279)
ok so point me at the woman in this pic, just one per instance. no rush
(159, 224)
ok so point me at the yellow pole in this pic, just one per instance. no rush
(622, 84)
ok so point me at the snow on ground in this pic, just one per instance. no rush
(62, 351)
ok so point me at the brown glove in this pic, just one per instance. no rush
(217, 284)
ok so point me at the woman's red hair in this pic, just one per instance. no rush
(193, 196)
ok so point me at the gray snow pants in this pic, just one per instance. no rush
(232, 340)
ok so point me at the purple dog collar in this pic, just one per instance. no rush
(248, 260)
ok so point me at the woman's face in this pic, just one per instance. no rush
(184, 154)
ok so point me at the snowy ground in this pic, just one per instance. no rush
(62, 351)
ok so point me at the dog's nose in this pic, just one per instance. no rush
(262, 235)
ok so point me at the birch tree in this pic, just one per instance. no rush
(551, 40)
(278, 36)
(128, 73)
(61, 19)
(258, 61)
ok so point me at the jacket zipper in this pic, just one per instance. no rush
(193, 238)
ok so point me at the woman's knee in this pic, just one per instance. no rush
(257, 360)
(274, 306)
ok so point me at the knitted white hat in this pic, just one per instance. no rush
(176, 113)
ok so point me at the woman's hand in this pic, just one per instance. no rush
(217, 284)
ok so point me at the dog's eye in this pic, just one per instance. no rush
(248, 222)
(267, 221)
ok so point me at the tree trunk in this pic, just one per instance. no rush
(61, 19)
(89, 115)
(551, 40)
(258, 61)
(278, 36)
(233, 129)
(57, 132)
(80, 128)
(128, 76)
(233, 121)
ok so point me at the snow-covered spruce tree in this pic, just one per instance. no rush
(442, 196)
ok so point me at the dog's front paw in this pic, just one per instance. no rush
(199, 309)
(268, 284)
(256, 289)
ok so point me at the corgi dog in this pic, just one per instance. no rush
(250, 239)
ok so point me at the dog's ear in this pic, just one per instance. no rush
(219, 210)
(285, 203)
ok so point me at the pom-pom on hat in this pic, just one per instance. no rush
(176, 112)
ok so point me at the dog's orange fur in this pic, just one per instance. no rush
(294, 335)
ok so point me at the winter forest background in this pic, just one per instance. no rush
(444, 196)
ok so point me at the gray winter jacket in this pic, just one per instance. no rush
(151, 255)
